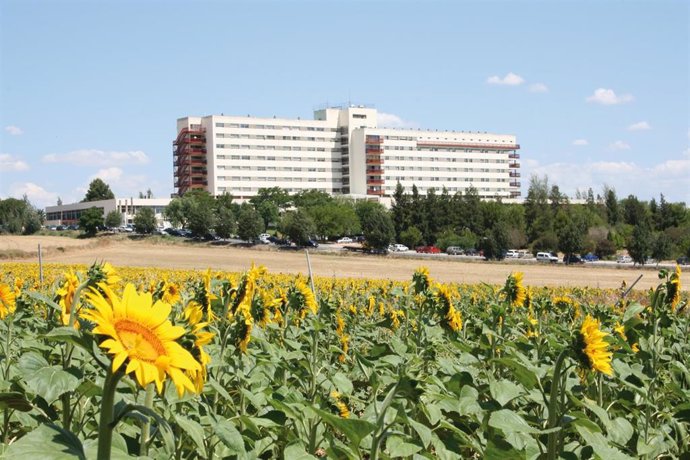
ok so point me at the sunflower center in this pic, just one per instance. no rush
(139, 341)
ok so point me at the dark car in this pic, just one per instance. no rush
(279, 241)
(428, 250)
(683, 260)
(572, 259)
(589, 257)
(311, 244)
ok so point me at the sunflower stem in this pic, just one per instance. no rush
(146, 425)
(554, 410)
(105, 424)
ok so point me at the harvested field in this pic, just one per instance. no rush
(120, 250)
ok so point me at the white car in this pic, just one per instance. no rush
(624, 260)
(547, 257)
(398, 248)
(344, 239)
(512, 254)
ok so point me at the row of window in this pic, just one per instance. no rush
(445, 179)
(453, 170)
(276, 147)
(447, 159)
(273, 137)
(276, 158)
(237, 190)
(274, 179)
(278, 168)
(289, 127)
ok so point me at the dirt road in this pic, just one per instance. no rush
(125, 252)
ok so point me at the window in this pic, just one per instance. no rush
(359, 115)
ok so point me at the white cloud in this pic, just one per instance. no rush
(510, 79)
(669, 177)
(10, 164)
(14, 130)
(619, 145)
(538, 88)
(109, 174)
(121, 183)
(94, 157)
(388, 120)
(37, 195)
(639, 126)
(580, 142)
(605, 96)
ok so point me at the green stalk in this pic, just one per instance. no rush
(105, 424)
(554, 409)
(146, 426)
(69, 348)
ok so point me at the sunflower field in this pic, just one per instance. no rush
(98, 362)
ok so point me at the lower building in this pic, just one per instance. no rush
(69, 214)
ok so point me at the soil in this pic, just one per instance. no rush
(121, 250)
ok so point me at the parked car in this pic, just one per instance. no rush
(572, 259)
(311, 244)
(345, 239)
(512, 254)
(546, 257)
(428, 250)
(624, 259)
(455, 250)
(398, 248)
(589, 257)
(683, 260)
(279, 241)
(264, 238)
(474, 252)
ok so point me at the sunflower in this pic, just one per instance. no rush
(66, 294)
(340, 405)
(103, 273)
(7, 301)
(590, 347)
(171, 293)
(421, 279)
(303, 299)
(451, 316)
(673, 289)
(139, 333)
(514, 291)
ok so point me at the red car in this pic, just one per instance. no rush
(428, 249)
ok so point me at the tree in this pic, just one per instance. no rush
(495, 243)
(335, 219)
(611, 201)
(98, 190)
(377, 225)
(249, 223)
(269, 212)
(411, 237)
(175, 212)
(225, 221)
(113, 219)
(298, 226)
(640, 245)
(90, 220)
(661, 247)
(19, 216)
(145, 221)
(570, 240)
(538, 213)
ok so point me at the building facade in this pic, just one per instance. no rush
(342, 151)
(68, 214)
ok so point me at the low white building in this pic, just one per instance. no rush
(67, 214)
(342, 152)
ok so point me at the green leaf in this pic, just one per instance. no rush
(633, 310)
(228, 435)
(342, 383)
(30, 363)
(620, 430)
(51, 382)
(505, 391)
(354, 429)
(296, 451)
(192, 429)
(47, 442)
(15, 401)
(509, 421)
(41, 298)
(522, 374)
(71, 335)
(599, 443)
(499, 448)
(423, 431)
(398, 447)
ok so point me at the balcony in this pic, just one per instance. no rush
(515, 194)
(514, 164)
(378, 171)
(374, 181)
(514, 156)
(374, 150)
(469, 145)
(514, 174)
(515, 184)
(374, 140)
(372, 161)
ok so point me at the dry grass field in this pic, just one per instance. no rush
(120, 250)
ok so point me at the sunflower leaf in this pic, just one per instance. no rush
(51, 382)
(47, 442)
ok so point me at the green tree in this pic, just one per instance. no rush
(570, 239)
(175, 212)
(612, 209)
(411, 237)
(298, 226)
(495, 243)
(19, 216)
(225, 221)
(661, 247)
(269, 212)
(400, 210)
(98, 190)
(640, 245)
(145, 221)
(199, 207)
(334, 219)
(113, 219)
(538, 213)
(90, 220)
(249, 223)
(276, 195)
(377, 225)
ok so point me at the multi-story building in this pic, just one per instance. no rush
(340, 151)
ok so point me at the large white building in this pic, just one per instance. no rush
(340, 151)
(66, 214)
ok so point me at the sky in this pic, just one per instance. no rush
(597, 92)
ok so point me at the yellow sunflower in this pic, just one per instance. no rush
(171, 293)
(421, 279)
(451, 316)
(591, 349)
(514, 291)
(139, 333)
(340, 405)
(66, 294)
(7, 301)
(673, 288)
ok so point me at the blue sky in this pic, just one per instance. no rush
(597, 92)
